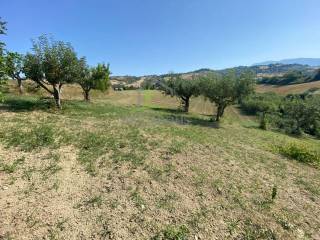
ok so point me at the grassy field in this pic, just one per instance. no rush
(287, 89)
(130, 166)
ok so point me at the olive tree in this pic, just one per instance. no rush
(227, 89)
(14, 68)
(92, 78)
(181, 88)
(51, 65)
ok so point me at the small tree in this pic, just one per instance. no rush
(14, 68)
(52, 64)
(227, 89)
(181, 88)
(93, 78)
(266, 107)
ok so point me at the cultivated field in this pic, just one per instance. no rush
(129, 166)
(287, 89)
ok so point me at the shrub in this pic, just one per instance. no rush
(300, 114)
(295, 114)
(300, 153)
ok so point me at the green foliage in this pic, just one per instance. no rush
(51, 63)
(181, 88)
(14, 67)
(290, 77)
(263, 104)
(301, 153)
(11, 168)
(300, 115)
(3, 30)
(127, 146)
(227, 89)
(295, 114)
(173, 233)
(33, 138)
(93, 78)
(274, 192)
(254, 231)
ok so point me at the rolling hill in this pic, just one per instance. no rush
(262, 71)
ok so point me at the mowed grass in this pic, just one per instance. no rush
(132, 166)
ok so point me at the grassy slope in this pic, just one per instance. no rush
(131, 167)
(294, 88)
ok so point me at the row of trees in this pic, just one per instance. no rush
(52, 64)
(55, 63)
(221, 89)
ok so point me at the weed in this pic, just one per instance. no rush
(95, 201)
(114, 203)
(138, 200)
(301, 153)
(173, 233)
(11, 168)
(176, 147)
(28, 172)
(92, 145)
(197, 217)
(310, 187)
(160, 173)
(167, 201)
(274, 193)
(254, 231)
(40, 136)
(200, 178)
(61, 224)
(52, 168)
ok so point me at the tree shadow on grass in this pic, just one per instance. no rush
(182, 118)
(26, 104)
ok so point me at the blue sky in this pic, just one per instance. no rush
(142, 37)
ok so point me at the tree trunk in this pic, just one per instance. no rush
(20, 86)
(86, 95)
(186, 104)
(220, 112)
(263, 122)
(56, 95)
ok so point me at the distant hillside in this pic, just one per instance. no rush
(313, 62)
(267, 74)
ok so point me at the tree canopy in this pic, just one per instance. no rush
(14, 67)
(52, 63)
(92, 77)
(183, 89)
(226, 89)
(3, 30)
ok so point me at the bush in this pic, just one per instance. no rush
(300, 115)
(261, 102)
(300, 153)
(295, 114)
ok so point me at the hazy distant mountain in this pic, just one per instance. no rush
(313, 62)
